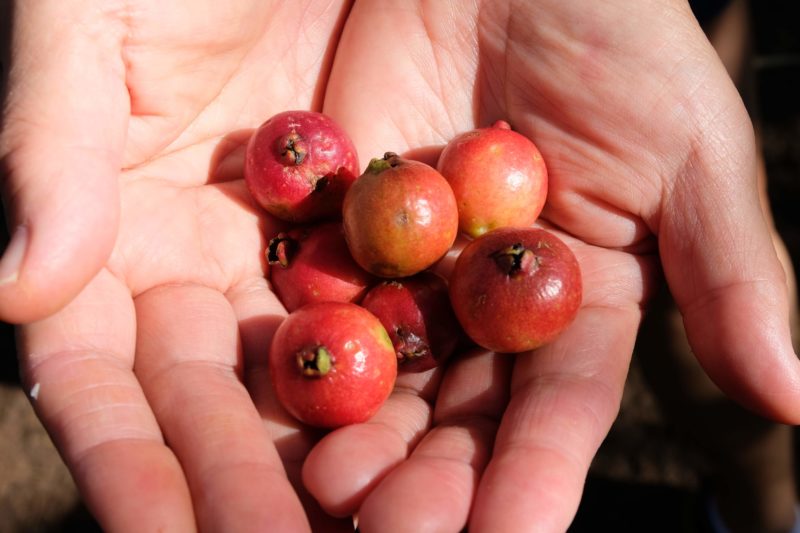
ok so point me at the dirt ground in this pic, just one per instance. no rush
(646, 476)
(36, 490)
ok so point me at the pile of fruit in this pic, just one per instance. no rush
(355, 271)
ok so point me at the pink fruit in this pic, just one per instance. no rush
(515, 289)
(332, 364)
(299, 165)
(498, 177)
(399, 217)
(417, 314)
(312, 264)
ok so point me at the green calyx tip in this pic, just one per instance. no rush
(378, 165)
(315, 362)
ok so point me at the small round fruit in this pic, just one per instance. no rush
(399, 217)
(498, 177)
(515, 289)
(332, 364)
(417, 314)
(299, 165)
(312, 264)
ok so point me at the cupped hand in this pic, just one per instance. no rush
(143, 290)
(140, 376)
(651, 160)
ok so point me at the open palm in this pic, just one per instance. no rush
(148, 378)
(140, 375)
(650, 152)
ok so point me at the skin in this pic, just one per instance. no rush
(142, 295)
(751, 458)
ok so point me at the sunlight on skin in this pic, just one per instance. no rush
(649, 151)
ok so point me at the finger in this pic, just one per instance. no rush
(63, 130)
(723, 271)
(433, 490)
(77, 365)
(422, 91)
(565, 397)
(188, 362)
(349, 462)
(259, 313)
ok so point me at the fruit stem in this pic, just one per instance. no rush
(378, 165)
(516, 260)
(280, 250)
(293, 149)
(315, 362)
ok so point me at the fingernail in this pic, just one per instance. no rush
(12, 257)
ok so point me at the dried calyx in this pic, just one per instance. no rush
(516, 260)
(281, 249)
(293, 149)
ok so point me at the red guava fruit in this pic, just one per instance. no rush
(515, 289)
(312, 264)
(299, 165)
(417, 314)
(399, 217)
(498, 177)
(332, 364)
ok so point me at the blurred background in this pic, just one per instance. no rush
(651, 473)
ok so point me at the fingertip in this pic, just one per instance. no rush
(772, 393)
(346, 465)
(349, 462)
(742, 339)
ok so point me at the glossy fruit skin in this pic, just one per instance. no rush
(417, 314)
(399, 217)
(312, 264)
(498, 176)
(299, 165)
(515, 289)
(362, 364)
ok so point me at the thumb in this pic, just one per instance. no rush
(722, 269)
(63, 129)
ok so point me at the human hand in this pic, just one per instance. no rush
(144, 289)
(651, 159)
(561, 401)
